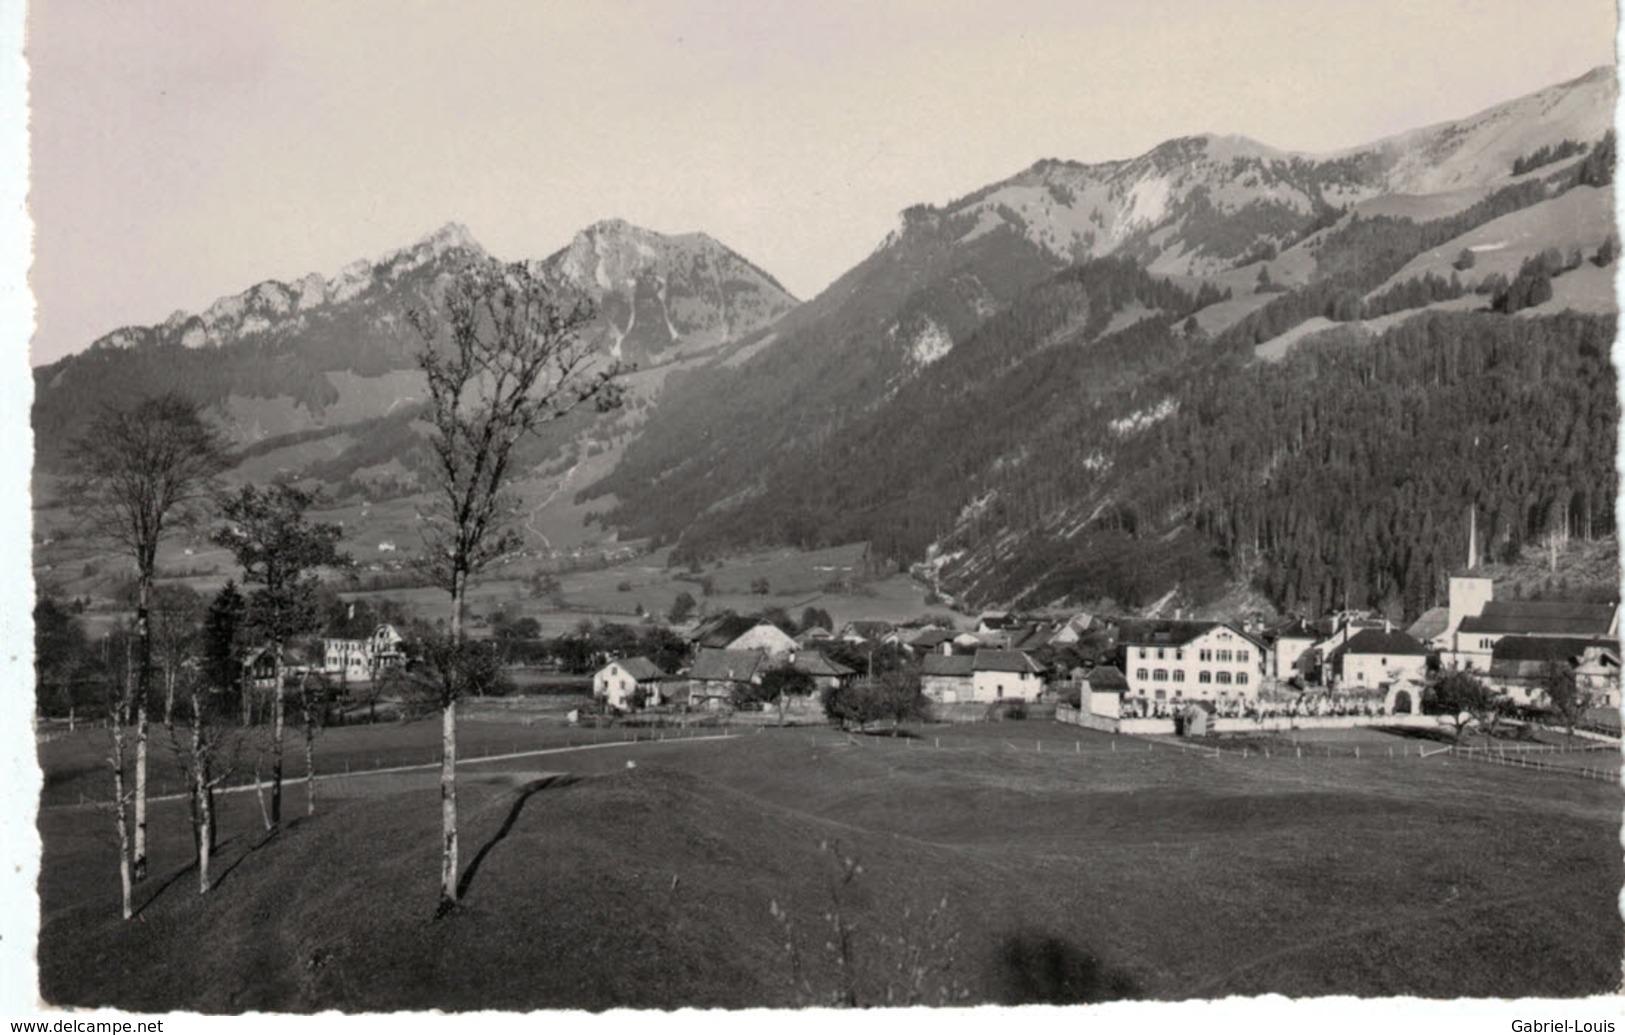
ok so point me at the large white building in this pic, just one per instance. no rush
(1169, 661)
(360, 661)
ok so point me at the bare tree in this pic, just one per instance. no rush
(177, 616)
(507, 357)
(140, 472)
(279, 550)
(208, 752)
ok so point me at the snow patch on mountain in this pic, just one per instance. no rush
(1140, 420)
(930, 343)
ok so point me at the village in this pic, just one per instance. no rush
(1105, 672)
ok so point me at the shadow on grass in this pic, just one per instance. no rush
(265, 839)
(1034, 967)
(525, 792)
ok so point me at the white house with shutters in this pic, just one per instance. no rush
(1168, 661)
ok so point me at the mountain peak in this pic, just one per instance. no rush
(453, 236)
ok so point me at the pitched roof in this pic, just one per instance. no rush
(1030, 637)
(722, 631)
(1296, 629)
(641, 669)
(1546, 648)
(1541, 618)
(997, 619)
(1163, 632)
(1107, 678)
(932, 638)
(946, 665)
(1376, 641)
(869, 630)
(987, 660)
(737, 666)
(1433, 622)
(813, 663)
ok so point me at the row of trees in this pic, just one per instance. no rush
(504, 359)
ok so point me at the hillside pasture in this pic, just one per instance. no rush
(1025, 861)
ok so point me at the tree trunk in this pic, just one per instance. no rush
(201, 805)
(116, 725)
(277, 708)
(448, 759)
(139, 861)
(169, 692)
(143, 678)
(310, 743)
(448, 805)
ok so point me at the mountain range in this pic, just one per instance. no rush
(1033, 394)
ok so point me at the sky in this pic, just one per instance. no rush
(183, 150)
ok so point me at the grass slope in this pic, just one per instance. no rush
(1069, 873)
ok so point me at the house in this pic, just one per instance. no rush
(1473, 644)
(812, 636)
(259, 669)
(361, 660)
(995, 621)
(998, 675)
(1073, 629)
(738, 633)
(1374, 659)
(1030, 636)
(825, 672)
(1518, 665)
(1291, 653)
(1170, 660)
(865, 631)
(931, 640)
(715, 672)
(621, 683)
(947, 678)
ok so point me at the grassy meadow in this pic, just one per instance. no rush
(1014, 862)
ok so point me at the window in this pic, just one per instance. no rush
(1179, 675)
(1241, 655)
(1140, 674)
(1224, 677)
(1224, 655)
(1179, 654)
(1205, 655)
(1160, 675)
(1241, 679)
(1142, 653)
(1204, 677)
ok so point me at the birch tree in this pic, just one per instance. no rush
(278, 549)
(506, 357)
(140, 472)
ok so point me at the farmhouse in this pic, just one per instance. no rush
(997, 675)
(1519, 663)
(947, 678)
(738, 633)
(621, 683)
(824, 672)
(1173, 660)
(259, 669)
(932, 639)
(714, 674)
(1375, 659)
(864, 631)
